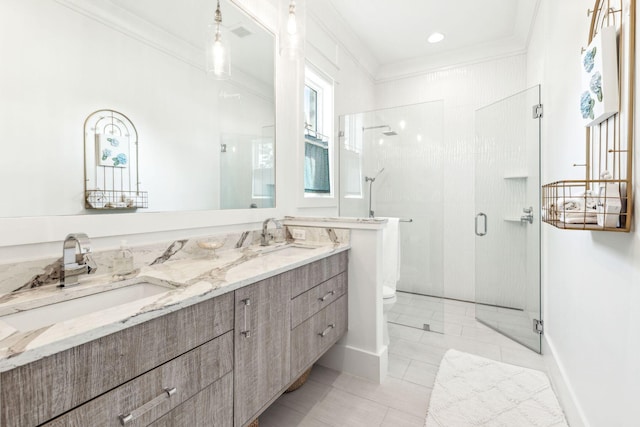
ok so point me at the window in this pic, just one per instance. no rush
(318, 148)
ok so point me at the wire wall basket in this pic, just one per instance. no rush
(111, 163)
(603, 200)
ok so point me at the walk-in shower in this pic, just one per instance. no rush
(440, 186)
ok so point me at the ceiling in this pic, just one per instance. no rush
(396, 32)
(187, 20)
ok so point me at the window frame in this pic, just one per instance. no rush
(323, 85)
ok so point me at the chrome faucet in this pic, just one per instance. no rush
(264, 237)
(74, 264)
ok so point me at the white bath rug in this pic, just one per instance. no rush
(473, 391)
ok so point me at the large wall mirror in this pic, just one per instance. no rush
(203, 144)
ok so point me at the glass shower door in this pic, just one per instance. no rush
(507, 244)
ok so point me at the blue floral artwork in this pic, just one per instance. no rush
(112, 151)
(588, 60)
(586, 105)
(596, 85)
(599, 69)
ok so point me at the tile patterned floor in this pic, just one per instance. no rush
(331, 398)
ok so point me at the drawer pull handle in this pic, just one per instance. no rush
(326, 331)
(324, 298)
(246, 332)
(127, 418)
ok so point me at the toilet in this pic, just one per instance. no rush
(390, 271)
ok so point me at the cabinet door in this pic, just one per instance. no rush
(37, 392)
(316, 335)
(153, 394)
(262, 336)
(212, 407)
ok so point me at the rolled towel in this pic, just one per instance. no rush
(570, 205)
(590, 199)
(606, 175)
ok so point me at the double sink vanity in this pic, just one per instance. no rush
(199, 338)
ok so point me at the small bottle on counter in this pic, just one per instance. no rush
(123, 261)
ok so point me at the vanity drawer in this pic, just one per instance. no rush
(308, 276)
(313, 337)
(309, 303)
(37, 392)
(150, 396)
(213, 406)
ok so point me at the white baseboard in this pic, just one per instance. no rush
(356, 361)
(562, 386)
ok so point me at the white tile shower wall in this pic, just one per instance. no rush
(463, 89)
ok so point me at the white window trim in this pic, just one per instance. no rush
(324, 84)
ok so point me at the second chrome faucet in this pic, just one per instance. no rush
(266, 236)
(76, 259)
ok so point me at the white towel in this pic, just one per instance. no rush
(391, 253)
(578, 218)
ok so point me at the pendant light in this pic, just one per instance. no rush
(218, 58)
(290, 39)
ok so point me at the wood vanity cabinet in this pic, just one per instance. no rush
(217, 363)
(96, 382)
(269, 355)
(261, 346)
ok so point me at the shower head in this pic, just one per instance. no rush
(388, 132)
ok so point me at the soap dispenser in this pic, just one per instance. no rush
(123, 261)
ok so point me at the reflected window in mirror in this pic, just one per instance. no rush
(318, 134)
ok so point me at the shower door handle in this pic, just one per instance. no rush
(481, 215)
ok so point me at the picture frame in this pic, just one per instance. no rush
(599, 97)
(112, 150)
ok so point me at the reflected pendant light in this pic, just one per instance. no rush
(290, 40)
(218, 57)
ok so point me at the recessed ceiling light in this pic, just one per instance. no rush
(435, 37)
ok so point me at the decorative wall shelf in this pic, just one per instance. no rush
(111, 163)
(603, 200)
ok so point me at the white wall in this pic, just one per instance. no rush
(463, 89)
(330, 48)
(591, 280)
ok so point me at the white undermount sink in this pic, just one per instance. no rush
(34, 318)
(286, 250)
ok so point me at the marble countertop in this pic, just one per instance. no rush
(188, 282)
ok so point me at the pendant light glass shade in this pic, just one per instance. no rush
(218, 52)
(291, 42)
